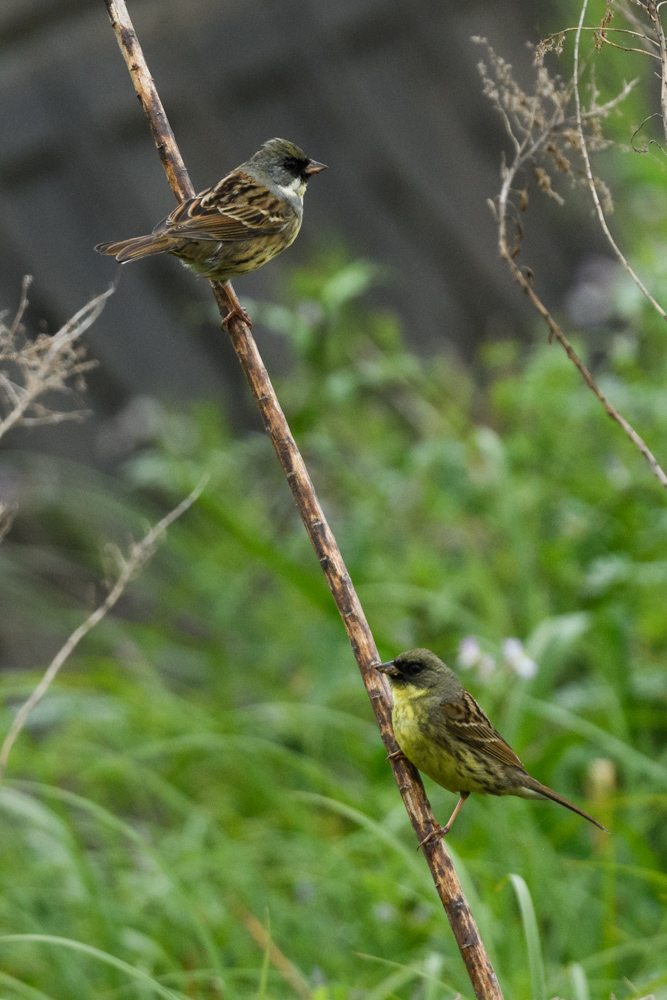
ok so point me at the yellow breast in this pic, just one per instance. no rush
(410, 721)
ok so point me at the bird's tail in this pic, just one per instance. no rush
(134, 249)
(548, 793)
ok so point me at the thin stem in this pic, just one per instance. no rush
(591, 181)
(619, 31)
(23, 305)
(603, 109)
(555, 331)
(140, 553)
(500, 207)
(49, 369)
(359, 634)
(279, 961)
(654, 14)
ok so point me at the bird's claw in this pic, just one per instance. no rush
(440, 831)
(394, 755)
(236, 310)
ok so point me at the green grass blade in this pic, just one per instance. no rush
(618, 750)
(646, 946)
(102, 956)
(391, 984)
(658, 879)
(376, 829)
(532, 934)
(87, 805)
(433, 964)
(264, 975)
(29, 992)
(430, 971)
(241, 745)
(108, 819)
(579, 982)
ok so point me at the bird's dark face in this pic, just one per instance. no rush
(419, 668)
(286, 163)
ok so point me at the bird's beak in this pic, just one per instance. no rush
(388, 668)
(314, 167)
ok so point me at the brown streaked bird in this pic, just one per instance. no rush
(250, 216)
(442, 730)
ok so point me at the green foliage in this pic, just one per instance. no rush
(531, 930)
(211, 753)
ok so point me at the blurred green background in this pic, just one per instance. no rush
(206, 780)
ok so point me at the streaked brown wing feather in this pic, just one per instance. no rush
(467, 722)
(237, 208)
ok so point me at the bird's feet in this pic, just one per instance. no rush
(437, 834)
(394, 755)
(442, 831)
(236, 310)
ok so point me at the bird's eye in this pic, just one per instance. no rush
(412, 668)
(291, 163)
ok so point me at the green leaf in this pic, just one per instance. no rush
(532, 935)
(579, 982)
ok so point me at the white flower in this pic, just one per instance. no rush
(469, 652)
(525, 667)
(512, 650)
(516, 657)
(385, 913)
(486, 665)
(471, 655)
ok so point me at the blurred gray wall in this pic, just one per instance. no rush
(384, 91)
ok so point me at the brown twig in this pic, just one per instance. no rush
(555, 331)
(557, 35)
(407, 777)
(529, 136)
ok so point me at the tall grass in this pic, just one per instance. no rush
(210, 754)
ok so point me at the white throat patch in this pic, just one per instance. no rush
(293, 190)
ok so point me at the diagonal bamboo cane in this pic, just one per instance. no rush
(482, 976)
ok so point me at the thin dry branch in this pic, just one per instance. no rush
(555, 41)
(51, 363)
(407, 777)
(280, 962)
(140, 553)
(531, 130)
(654, 14)
(591, 180)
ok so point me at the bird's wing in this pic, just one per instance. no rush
(466, 721)
(237, 208)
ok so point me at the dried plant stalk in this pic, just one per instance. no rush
(140, 553)
(407, 777)
(543, 131)
(29, 369)
(50, 363)
(583, 146)
(279, 961)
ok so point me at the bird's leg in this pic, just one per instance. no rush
(442, 831)
(394, 755)
(236, 310)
